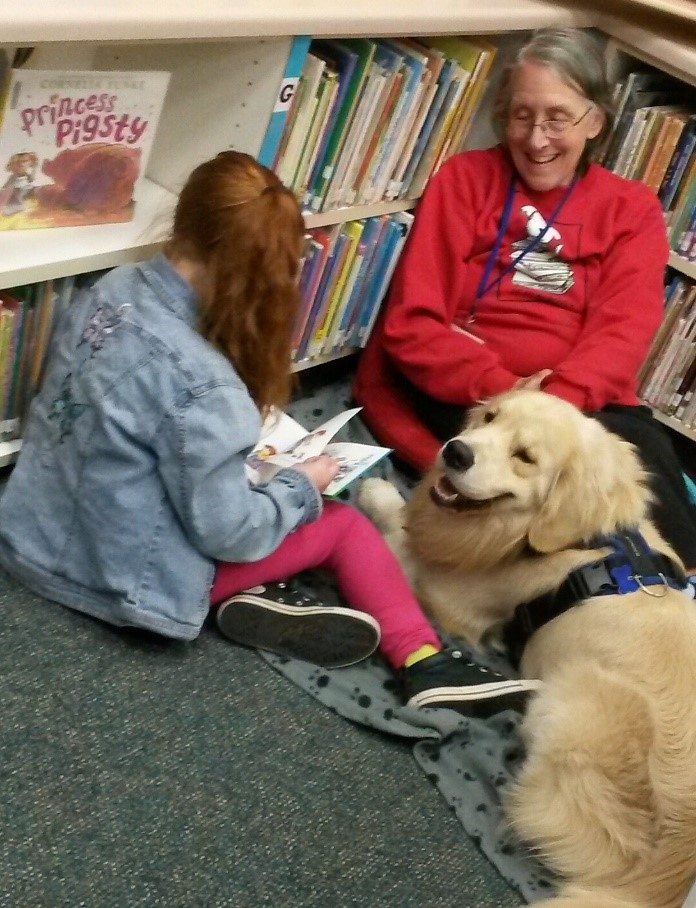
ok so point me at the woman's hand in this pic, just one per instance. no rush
(531, 382)
(320, 470)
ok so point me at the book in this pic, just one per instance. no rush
(464, 51)
(440, 130)
(676, 298)
(307, 101)
(75, 145)
(342, 61)
(377, 92)
(393, 64)
(632, 141)
(285, 443)
(678, 217)
(318, 248)
(428, 88)
(357, 279)
(356, 74)
(371, 239)
(20, 305)
(397, 123)
(442, 90)
(344, 249)
(641, 89)
(323, 117)
(330, 262)
(689, 230)
(398, 230)
(373, 90)
(664, 148)
(652, 126)
(354, 231)
(678, 164)
(286, 91)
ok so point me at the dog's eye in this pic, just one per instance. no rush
(523, 455)
(488, 417)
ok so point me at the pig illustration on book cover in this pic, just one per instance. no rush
(74, 145)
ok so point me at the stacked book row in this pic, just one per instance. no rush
(27, 317)
(344, 277)
(668, 377)
(654, 141)
(373, 119)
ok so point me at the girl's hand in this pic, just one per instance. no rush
(320, 470)
(531, 382)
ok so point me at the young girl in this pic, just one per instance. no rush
(130, 499)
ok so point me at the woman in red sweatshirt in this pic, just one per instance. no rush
(529, 266)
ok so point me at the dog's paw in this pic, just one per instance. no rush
(382, 502)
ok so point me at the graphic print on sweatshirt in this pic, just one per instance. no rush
(541, 268)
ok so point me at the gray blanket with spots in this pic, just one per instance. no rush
(470, 761)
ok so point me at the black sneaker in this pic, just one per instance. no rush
(281, 618)
(449, 679)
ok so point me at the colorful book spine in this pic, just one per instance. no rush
(343, 61)
(288, 85)
(343, 127)
(320, 296)
(318, 249)
(345, 250)
(324, 341)
(400, 227)
(369, 242)
(678, 164)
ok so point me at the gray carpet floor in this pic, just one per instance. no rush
(138, 772)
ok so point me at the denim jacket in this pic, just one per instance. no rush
(131, 481)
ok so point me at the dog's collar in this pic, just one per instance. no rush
(630, 566)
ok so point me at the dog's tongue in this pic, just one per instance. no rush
(444, 494)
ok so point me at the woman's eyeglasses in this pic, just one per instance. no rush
(523, 123)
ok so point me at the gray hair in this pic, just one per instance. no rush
(578, 59)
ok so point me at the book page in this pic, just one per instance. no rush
(310, 444)
(355, 459)
(285, 443)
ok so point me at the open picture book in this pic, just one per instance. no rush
(285, 443)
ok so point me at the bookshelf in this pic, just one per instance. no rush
(226, 66)
(629, 47)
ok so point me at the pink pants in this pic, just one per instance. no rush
(344, 541)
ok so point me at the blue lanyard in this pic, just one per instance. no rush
(486, 284)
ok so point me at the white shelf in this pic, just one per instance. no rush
(674, 424)
(681, 264)
(321, 360)
(27, 256)
(9, 451)
(356, 212)
(674, 54)
(38, 21)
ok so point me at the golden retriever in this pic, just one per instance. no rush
(607, 794)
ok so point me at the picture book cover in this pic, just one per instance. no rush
(74, 145)
(285, 443)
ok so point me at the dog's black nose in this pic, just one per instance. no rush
(457, 455)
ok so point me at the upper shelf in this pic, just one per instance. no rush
(667, 49)
(39, 21)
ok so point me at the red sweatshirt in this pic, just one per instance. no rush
(586, 303)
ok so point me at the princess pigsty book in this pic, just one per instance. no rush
(74, 145)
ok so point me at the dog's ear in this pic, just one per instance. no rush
(600, 488)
